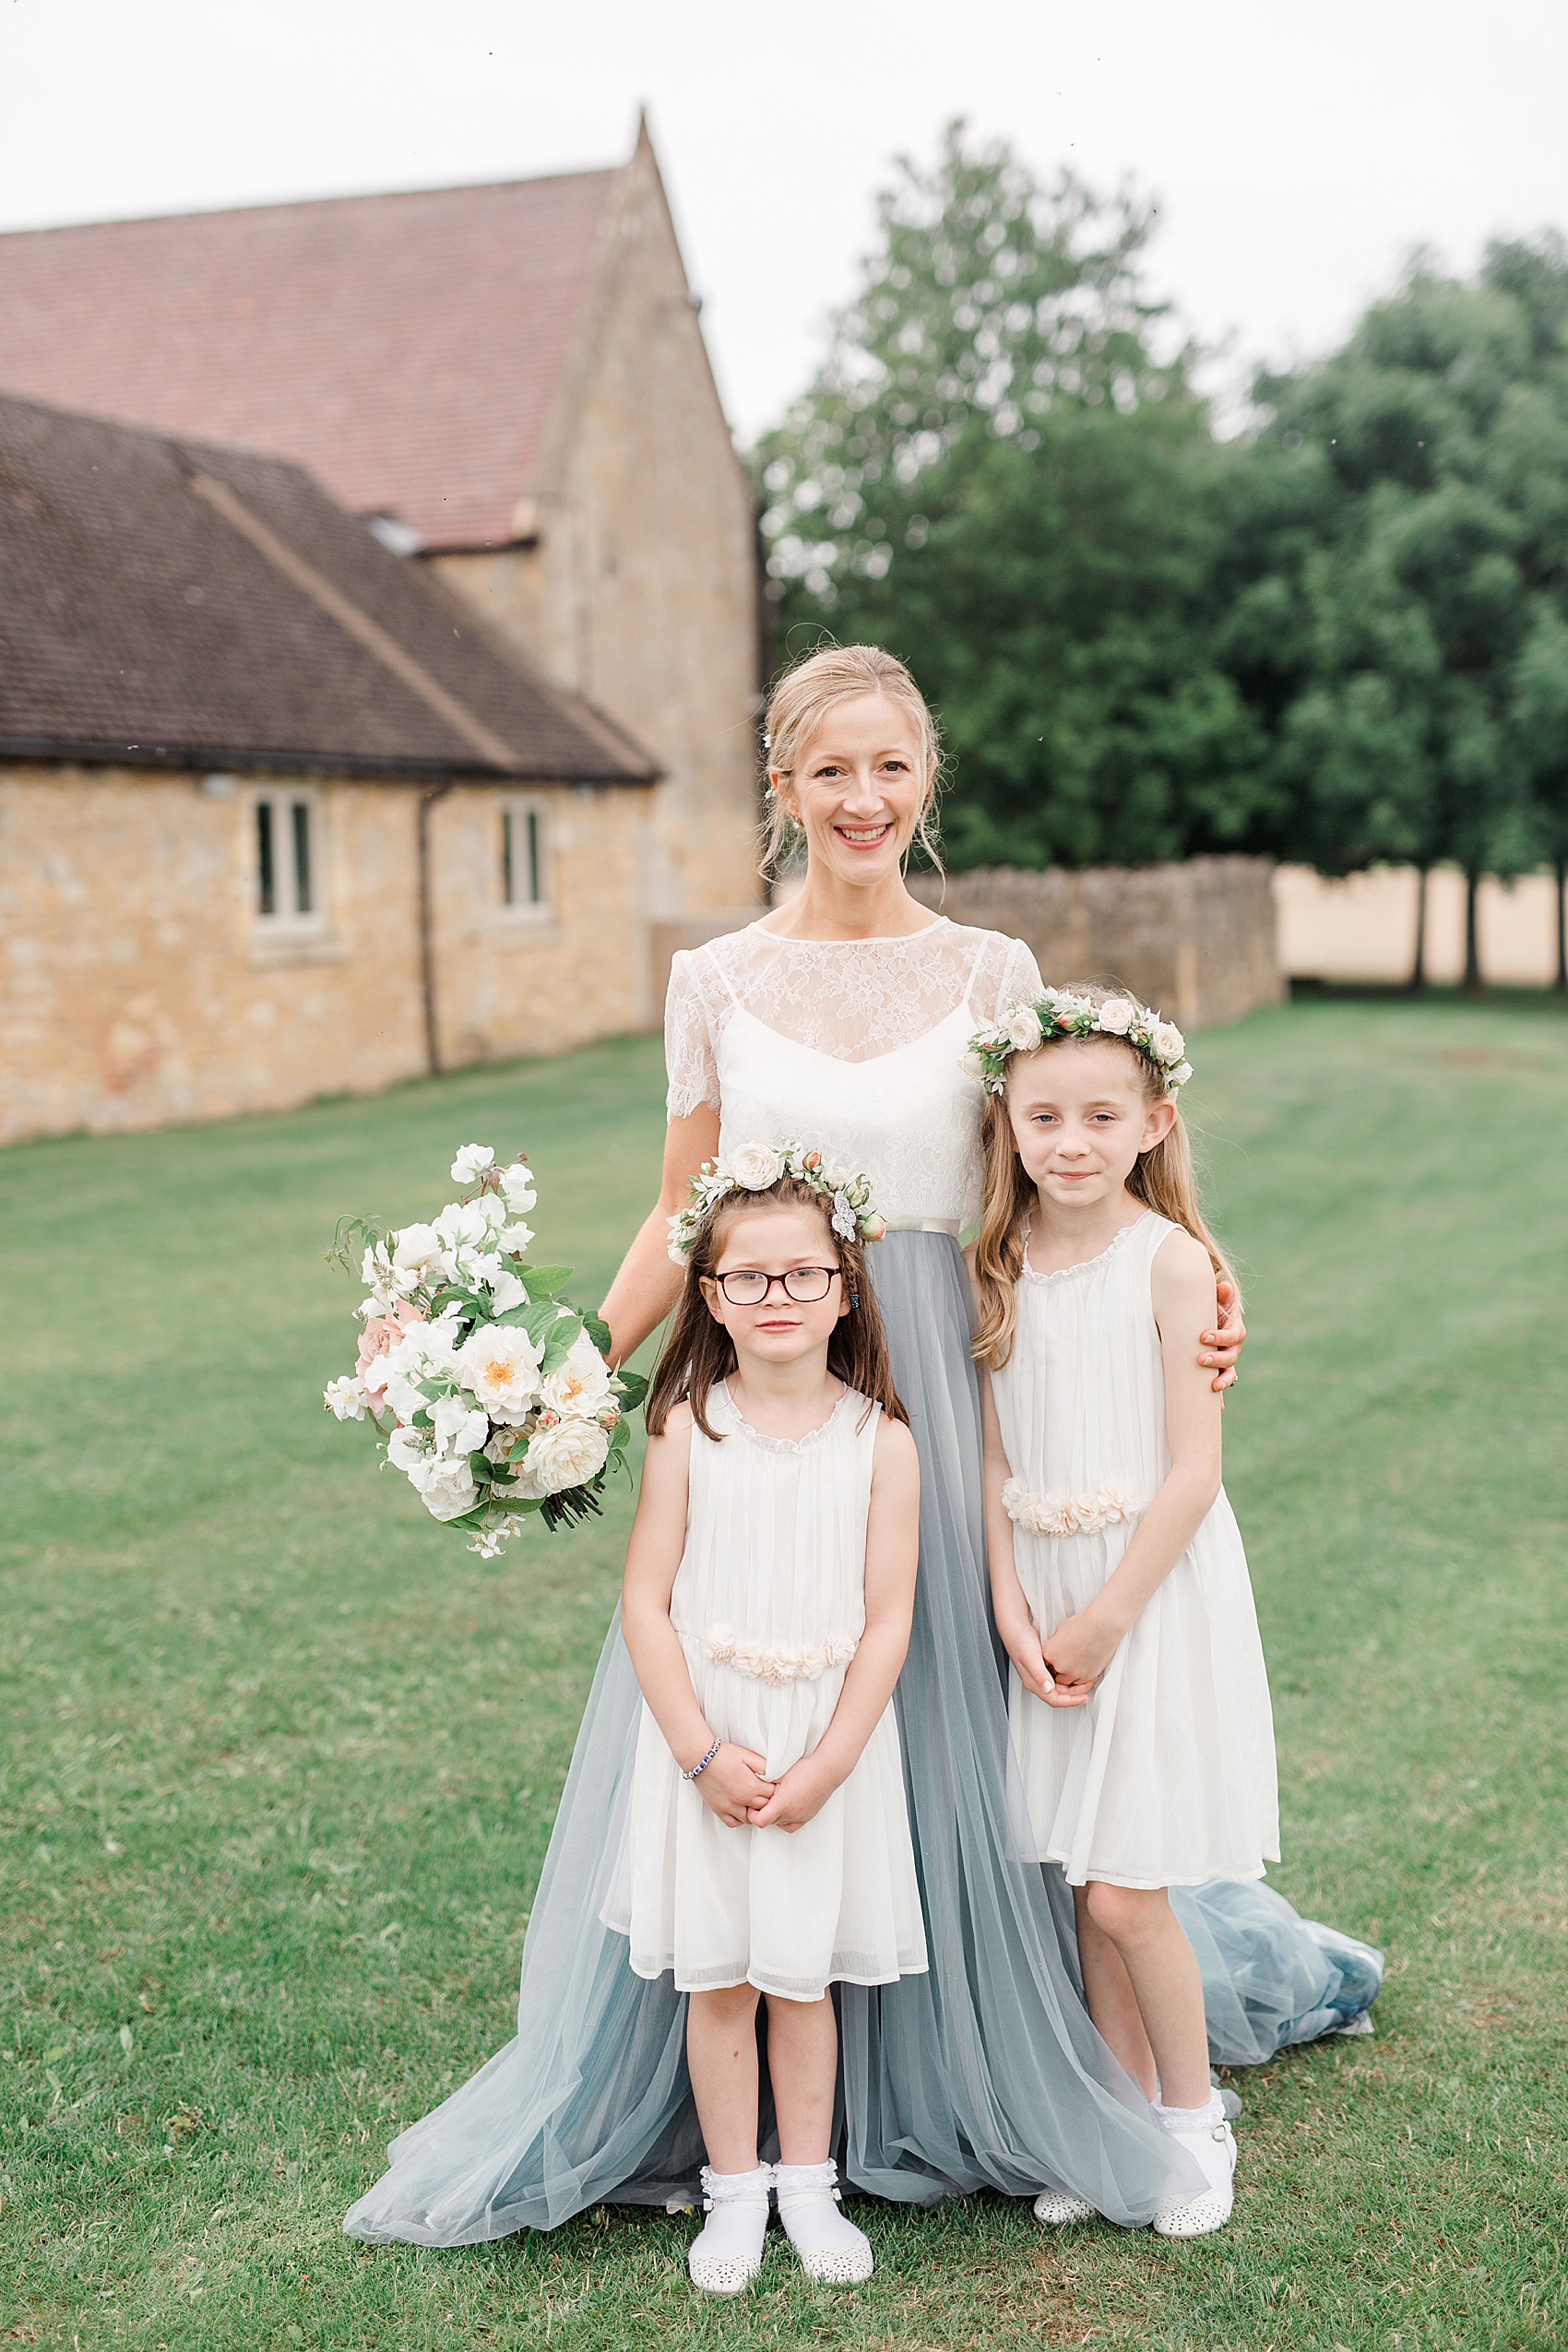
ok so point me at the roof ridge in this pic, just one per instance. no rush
(314, 203)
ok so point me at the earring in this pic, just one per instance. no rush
(854, 1298)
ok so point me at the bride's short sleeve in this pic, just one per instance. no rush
(690, 1063)
(1005, 974)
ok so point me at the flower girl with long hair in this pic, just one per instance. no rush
(769, 1590)
(1138, 1699)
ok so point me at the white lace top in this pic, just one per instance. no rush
(855, 1046)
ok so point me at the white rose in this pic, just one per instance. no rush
(346, 1398)
(1117, 1015)
(1168, 1042)
(1023, 1029)
(755, 1166)
(972, 1066)
(500, 1364)
(447, 1489)
(1179, 1077)
(569, 1453)
(470, 1162)
(518, 1188)
(459, 1427)
(416, 1251)
(580, 1384)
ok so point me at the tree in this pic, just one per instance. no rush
(1418, 697)
(1001, 477)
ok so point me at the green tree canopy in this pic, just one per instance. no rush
(1397, 606)
(1002, 476)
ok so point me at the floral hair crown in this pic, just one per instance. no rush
(756, 1167)
(1058, 1013)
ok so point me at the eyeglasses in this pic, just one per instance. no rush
(748, 1286)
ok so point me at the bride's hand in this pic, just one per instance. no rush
(1221, 1348)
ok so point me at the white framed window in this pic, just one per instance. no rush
(288, 862)
(524, 859)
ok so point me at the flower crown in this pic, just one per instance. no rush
(1023, 1028)
(754, 1167)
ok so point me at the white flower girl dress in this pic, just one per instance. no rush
(769, 1603)
(1166, 1776)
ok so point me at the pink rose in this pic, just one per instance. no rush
(380, 1336)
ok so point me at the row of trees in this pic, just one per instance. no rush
(1341, 636)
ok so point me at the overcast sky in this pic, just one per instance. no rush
(1297, 152)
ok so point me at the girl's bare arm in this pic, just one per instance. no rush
(1020, 1636)
(892, 1552)
(647, 1285)
(733, 1781)
(1082, 1646)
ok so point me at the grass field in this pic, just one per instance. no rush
(280, 1758)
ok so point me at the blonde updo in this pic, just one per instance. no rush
(802, 699)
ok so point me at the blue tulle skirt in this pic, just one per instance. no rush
(985, 2072)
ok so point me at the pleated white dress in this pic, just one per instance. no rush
(769, 1603)
(1166, 1776)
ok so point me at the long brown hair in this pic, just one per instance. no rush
(1163, 1179)
(699, 1353)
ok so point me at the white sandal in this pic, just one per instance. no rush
(726, 2254)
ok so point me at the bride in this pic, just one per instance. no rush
(842, 1017)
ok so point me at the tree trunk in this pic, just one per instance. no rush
(1417, 979)
(1563, 923)
(1474, 983)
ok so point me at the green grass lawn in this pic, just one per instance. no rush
(280, 1757)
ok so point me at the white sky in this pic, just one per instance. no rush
(1297, 151)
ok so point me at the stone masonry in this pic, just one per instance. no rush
(137, 987)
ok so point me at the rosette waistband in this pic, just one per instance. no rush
(1067, 1514)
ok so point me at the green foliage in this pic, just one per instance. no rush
(999, 476)
(1400, 614)
(1342, 638)
(279, 1760)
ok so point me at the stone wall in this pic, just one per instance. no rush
(137, 987)
(1196, 940)
(640, 590)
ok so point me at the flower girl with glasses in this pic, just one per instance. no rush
(768, 1590)
(1138, 1699)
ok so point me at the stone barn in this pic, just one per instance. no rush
(279, 815)
(509, 385)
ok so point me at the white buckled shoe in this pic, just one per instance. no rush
(832, 2250)
(726, 2254)
(1214, 2147)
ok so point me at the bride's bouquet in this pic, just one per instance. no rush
(488, 1390)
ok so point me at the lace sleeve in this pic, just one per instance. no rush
(1005, 973)
(1021, 982)
(689, 1059)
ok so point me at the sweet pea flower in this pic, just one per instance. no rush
(471, 1162)
(517, 1187)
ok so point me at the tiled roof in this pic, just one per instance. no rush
(405, 348)
(174, 604)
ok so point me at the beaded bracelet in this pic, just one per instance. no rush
(706, 1762)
